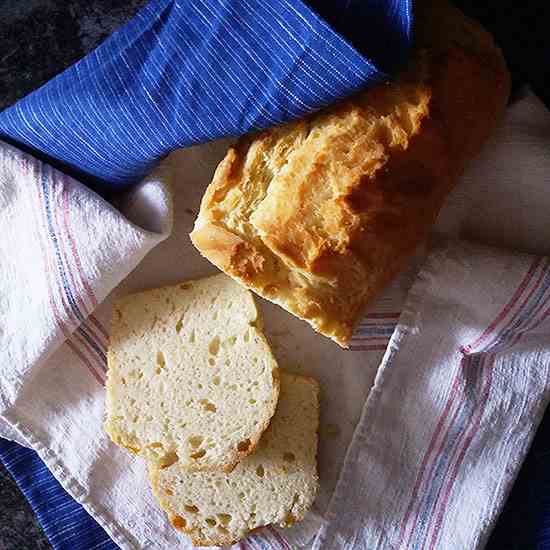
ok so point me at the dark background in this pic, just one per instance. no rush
(39, 38)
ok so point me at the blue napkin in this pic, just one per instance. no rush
(66, 524)
(183, 72)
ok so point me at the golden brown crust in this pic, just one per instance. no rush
(318, 215)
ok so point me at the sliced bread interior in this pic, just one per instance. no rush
(275, 485)
(191, 376)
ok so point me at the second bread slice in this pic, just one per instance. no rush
(275, 485)
(191, 376)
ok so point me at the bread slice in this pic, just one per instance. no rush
(275, 485)
(191, 376)
(319, 214)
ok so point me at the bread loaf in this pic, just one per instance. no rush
(191, 377)
(318, 215)
(275, 485)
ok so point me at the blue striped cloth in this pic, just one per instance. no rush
(66, 524)
(184, 72)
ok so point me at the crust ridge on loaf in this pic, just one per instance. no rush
(275, 485)
(319, 214)
(191, 376)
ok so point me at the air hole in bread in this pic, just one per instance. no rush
(179, 523)
(155, 445)
(195, 441)
(169, 459)
(230, 342)
(215, 316)
(260, 471)
(252, 401)
(191, 508)
(216, 380)
(199, 454)
(241, 496)
(186, 286)
(222, 530)
(244, 446)
(225, 518)
(192, 337)
(169, 492)
(246, 336)
(123, 381)
(289, 457)
(210, 407)
(211, 362)
(214, 346)
(161, 361)
(179, 324)
(289, 520)
(211, 521)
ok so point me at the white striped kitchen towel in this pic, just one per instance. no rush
(455, 405)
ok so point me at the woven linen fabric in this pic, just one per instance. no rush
(184, 72)
(469, 365)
